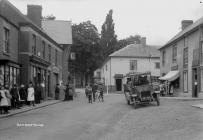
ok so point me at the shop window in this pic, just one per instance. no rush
(6, 40)
(11, 76)
(1, 75)
(6, 81)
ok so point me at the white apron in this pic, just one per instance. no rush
(4, 100)
(30, 95)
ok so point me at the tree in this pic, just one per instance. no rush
(87, 49)
(49, 17)
(108, 37)
(129, 40)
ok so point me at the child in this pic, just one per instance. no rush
(89, 93)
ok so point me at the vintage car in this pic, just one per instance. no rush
(139, 89)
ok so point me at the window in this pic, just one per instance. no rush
(49, 53)
(56, 53)
(43, 47)
(34, 39)
(174, 54)
(133, 64)
(157, 65)
(185, 56)
(106, 67)
(6, 41)
(201, 51)
(201, 80)
(163, 58)
(185, 81)
(185, 42)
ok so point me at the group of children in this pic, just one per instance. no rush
(11, 98)
(94, 92)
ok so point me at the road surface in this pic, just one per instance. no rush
(112, 119)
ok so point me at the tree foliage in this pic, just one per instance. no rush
(129, 40)
(108, 37)
(49, 17)
(86, 47)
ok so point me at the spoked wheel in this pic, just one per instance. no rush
(157, 100)
(134, 103)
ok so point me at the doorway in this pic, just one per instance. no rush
(119, 84)
(195, 82)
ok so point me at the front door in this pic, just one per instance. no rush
(119, 84)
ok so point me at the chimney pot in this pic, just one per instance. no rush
(143, 41)
(186, 23)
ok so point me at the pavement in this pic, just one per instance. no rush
(27, 108)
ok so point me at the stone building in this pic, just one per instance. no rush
(138, 57)
(182, 59)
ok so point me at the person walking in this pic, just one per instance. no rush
(89, 93)
(31, 94)
(57, 92)
(66, 93)
(94, 90)
(101, 93)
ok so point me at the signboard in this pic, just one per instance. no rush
(72, 56)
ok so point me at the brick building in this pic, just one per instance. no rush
(27, 52)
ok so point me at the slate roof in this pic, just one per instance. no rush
(185, 31)
(59, 30)
(137, 50)
(21, 20)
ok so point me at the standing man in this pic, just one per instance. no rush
(66, 93)
(89, 93)
(94, 90)
(15, 97)
(57, 92)
(101, 95)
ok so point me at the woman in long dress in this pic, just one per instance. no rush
(30, 96)
(4, 103)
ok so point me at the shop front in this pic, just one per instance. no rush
(39, 75)
(9, 73)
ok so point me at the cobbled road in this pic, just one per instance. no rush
(112, 119)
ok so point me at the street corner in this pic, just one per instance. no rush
(198, 106)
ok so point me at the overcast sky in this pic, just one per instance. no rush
(158, 20)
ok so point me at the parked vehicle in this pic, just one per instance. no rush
(140, 89)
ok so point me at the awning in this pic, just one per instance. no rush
(170, 76)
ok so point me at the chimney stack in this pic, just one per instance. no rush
(186, 23)
(34, 13)
(143, 41)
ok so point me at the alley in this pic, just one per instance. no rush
(112, 119)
